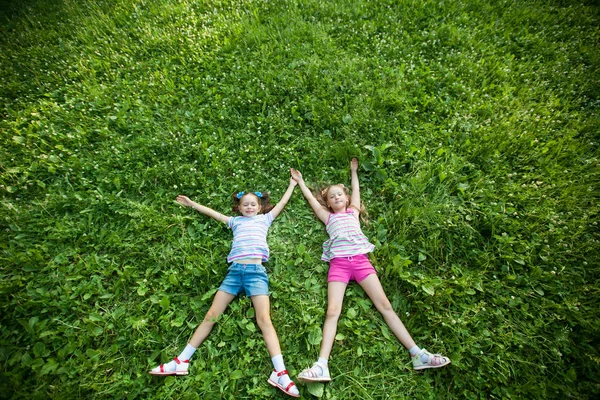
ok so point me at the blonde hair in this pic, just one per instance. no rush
(321, 196)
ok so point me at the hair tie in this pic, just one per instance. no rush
(239, 195)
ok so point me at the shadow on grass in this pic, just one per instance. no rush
(12, 11)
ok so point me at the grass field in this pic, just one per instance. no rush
(477, 127)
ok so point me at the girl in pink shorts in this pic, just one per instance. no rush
(346, 251)
(353, 268)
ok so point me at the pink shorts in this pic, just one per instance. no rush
(346, 269)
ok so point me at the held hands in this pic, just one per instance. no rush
(293, 182)
(354, 165)
(184, 201)
(296, 175)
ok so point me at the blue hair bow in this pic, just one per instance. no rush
(257, 194)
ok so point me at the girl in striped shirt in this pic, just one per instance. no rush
(346, 251)
(245, 274)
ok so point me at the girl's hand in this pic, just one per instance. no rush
(296, 175)
(184, 201)
(354, 165)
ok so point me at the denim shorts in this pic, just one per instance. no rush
(246, 278)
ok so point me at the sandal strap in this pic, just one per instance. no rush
(436, 359)
(318, 365)
(313, 372)
(287, 388)
(282, 372)
(177, 360)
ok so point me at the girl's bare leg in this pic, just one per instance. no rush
(278, 378)
(372, 286)
(335, 298)
(219, 304)
(262, 306)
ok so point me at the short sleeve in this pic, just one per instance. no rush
(269, 218)
(231, 222)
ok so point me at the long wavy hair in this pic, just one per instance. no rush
(321, 195)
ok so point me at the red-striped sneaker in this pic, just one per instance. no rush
(175, 367)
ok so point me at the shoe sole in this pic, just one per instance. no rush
(431, 366)
(173, 373)
(314, 380)
(275, 385)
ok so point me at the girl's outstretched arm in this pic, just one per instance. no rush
(321, 212)
(186, 202)
(355, 198)
(286, 197)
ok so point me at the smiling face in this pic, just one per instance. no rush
(249, 205)
(337, 198)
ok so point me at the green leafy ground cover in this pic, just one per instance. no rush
(476, 124)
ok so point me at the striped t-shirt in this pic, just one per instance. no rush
(250, 237)
(345, 237)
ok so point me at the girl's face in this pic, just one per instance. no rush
(337, 199)
(249, 205)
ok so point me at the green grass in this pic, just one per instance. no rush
(476, 124)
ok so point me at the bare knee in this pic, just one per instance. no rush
(264, 322)
(333, 312)
(211, 316)
(384, 306)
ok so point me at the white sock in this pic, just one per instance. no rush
(283, 380)
(278, 362)
(414, 350)
(323, 361)
(187, 353)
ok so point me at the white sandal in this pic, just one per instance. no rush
(180, 368)
(289, 389)
(434, 361)
(319, 372)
